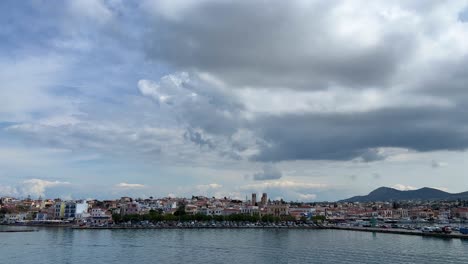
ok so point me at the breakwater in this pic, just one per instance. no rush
(17, 231)
(400, 231)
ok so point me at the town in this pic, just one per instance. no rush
(202, 211)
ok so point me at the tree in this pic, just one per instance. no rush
(180, 211)
(318, 218)
(117, 218)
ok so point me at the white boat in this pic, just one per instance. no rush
(427, 229)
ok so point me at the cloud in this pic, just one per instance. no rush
(351, 136)
(38, 187)
(212, 189)
(307, 197)
(444, 189)
(299, 51)
(269, 172)
(197, 138)
(124, 185)
(26, 87)
(209, 186)
(348, 98)
(436, 164)
(149, 88)
(289, 189)
(286, 184)
(8, 191)
(402, 187)
(98, 11)
(351, 84)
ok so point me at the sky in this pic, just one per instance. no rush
(304, 100)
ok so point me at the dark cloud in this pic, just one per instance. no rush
(349, 136)
(277, 45)
(318, 46)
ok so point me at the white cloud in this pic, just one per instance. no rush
(307, 197)
(8, 191)
(441, 188)
(211, 186)
(125, 185)
(403, 187)
(152, 89)
(333, 100)
(283, 184)
(169, 90)
(38, 187)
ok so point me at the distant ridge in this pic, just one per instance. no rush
(384, 194)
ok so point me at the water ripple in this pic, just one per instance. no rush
(225, 246)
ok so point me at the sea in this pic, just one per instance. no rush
(64, 245)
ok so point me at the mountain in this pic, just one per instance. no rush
(389, 194)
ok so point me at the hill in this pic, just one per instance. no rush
(383, 194)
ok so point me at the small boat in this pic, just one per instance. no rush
(427, 229)
(446, 229)
(464, 230)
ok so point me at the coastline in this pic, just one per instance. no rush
(357, 229)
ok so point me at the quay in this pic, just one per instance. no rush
(358, 229)
(192, 227)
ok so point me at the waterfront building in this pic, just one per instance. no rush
(99, 216)
(301, 211)
(14, 217)
(250, 210)
(231, 211)
(191, 209)
(278, 209)
(65, 210)
(211, 211)
(129, 208)
(400, 213)
(42, 216)
(461, 212)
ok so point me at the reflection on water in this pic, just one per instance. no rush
(60, 245)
